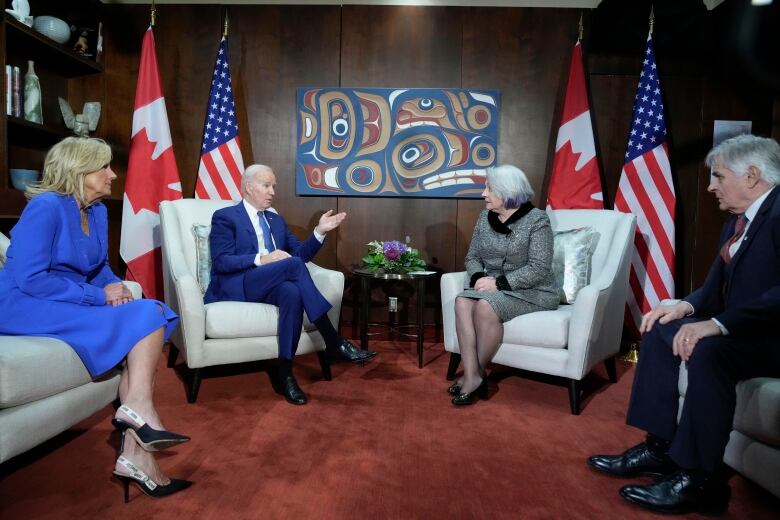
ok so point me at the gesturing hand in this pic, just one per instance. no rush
(329, 221)
(117, 294)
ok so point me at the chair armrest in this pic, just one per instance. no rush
(191, 333)
(451, 285)
(135, 289)
(331, 284)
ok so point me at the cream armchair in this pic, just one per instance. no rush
(570, 340)
(225, 332)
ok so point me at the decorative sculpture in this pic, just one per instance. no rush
(21, 11)
(84, 123)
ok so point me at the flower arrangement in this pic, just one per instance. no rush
(392, 256)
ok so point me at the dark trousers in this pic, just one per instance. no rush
(288, 285)
(718, 363)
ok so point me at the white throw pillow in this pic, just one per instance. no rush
(572, 253)
(203, 255)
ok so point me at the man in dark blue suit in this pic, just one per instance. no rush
(255, 258)
(725, 332)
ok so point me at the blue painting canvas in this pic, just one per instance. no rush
(383, 142)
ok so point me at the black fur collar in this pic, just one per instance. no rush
(503, 227)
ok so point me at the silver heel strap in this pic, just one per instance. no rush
(136, 473)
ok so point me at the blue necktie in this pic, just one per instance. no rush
(267, 240)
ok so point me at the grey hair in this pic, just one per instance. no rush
(741, 152)
(510, 184)
(250, 172)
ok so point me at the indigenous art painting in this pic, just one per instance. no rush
(395, 142)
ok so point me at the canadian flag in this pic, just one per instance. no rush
(575, 181)
(152, 176)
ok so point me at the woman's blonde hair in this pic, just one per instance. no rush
(66, 165)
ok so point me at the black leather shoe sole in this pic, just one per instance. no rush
(713, 505)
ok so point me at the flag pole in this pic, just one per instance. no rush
(652, 18)
(225, 30)
(153, 14)
(579, 33)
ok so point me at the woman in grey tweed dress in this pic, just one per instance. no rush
(509, 263)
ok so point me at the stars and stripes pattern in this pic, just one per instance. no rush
(221, 164)
(646, 189)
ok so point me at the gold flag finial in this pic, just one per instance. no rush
(225, 31)
(579, 34)
(632, 356)
(652, 18)
(154, 14)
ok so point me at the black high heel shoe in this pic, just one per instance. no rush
(146, 436)
(145, 483)
(470, 397)
(454, 389)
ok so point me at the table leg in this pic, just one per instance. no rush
(420, 320)
(365, 305)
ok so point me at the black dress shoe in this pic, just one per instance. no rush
(635, 461)
(346, 351)
(292, 392)
(470, 397)
(680, 493)
(454, 389)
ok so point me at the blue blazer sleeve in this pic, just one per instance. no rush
(33, 243)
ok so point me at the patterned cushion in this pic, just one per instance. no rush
(203, 255)
(572, 253)
(3, 246)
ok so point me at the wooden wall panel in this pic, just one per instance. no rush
(278, 49)
(523, 52)
(385, 46)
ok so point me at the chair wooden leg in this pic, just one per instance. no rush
(611, 369)
(453, 367)
(324, 364)
(574, 396)
(173, 353)
(195, 377)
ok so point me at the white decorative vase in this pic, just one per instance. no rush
(32, 95)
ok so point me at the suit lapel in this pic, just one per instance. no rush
(755, 227)
(244, 225)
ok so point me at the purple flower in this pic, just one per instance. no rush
(393, 249)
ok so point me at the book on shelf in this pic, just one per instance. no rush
(9, 90)
(17, 95)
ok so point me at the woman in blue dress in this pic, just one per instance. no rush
(57, 283)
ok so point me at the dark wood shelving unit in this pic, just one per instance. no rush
(23, 144)
(20, 130)
(58, 57)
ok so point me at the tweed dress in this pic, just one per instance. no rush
(518, 253)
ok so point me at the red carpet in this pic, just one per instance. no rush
(379, 441)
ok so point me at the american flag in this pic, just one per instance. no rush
(221, 164)
(647, 191)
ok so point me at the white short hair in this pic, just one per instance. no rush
(510, 184)
(741, 152)
(250, 172)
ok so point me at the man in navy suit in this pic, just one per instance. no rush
(255, 258)
(725, 332)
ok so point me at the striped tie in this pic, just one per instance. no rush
(267, 240)
(739, 229)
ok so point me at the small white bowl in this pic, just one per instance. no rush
(21, 178)
(56, 29)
